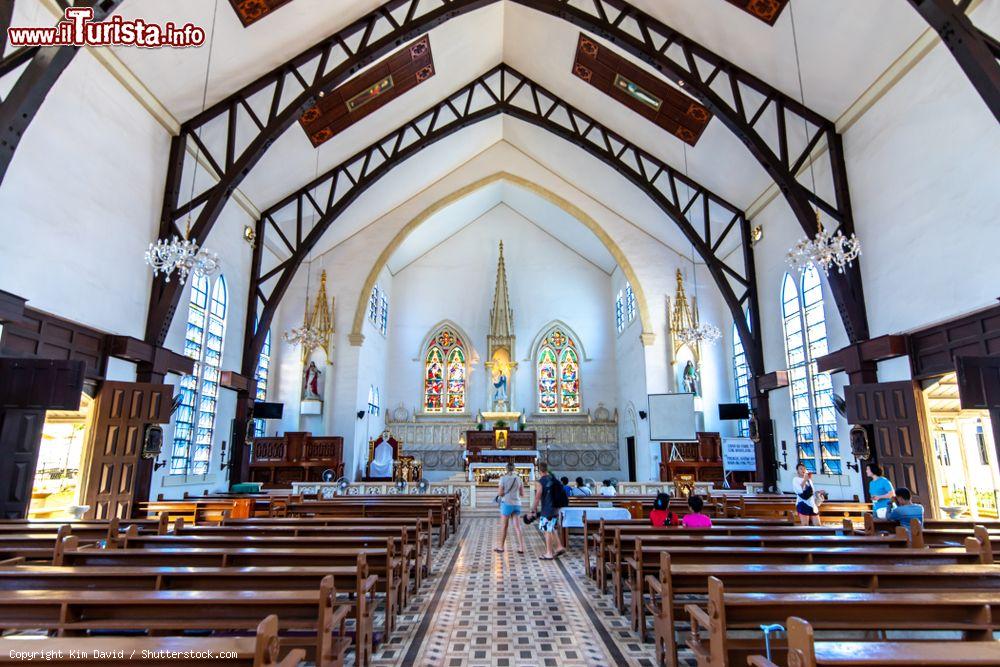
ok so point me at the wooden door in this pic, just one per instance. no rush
(979, 388)
(894, 411)
(117, 473)
(27, 388)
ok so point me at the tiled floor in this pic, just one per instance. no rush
(509, 610)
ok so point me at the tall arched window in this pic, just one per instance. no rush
(558, 374)
(741, 378)
(262, 374)
(625, 307)
(445, 373)
(203, 341)
(811, 391)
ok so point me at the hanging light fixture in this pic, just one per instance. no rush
(688, 329)
(825, 250)
(182, 254)
(314, 332)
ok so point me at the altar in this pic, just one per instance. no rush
(489, 473)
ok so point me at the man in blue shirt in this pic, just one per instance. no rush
(906, 509)
(880, 490)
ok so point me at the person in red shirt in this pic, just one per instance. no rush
(661, 516)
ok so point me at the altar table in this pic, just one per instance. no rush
(572, 517)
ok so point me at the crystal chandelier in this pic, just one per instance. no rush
(700, 333)
(304, 336)
(684, 321)
(312, 334)
(825, 251)
(183, 256)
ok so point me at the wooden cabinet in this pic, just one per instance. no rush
(295, 457)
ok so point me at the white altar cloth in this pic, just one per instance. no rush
(507, 453)
(473, 467)
(572, 517)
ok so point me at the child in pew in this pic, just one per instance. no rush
(906, 509)
(696, 519)
(661, 515)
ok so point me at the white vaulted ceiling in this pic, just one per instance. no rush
(845, 46)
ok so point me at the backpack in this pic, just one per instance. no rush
(558, 495)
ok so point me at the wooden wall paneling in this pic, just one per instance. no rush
(39, 335)
(118, 477)
(41, 383)
(894, 411)
(934, 350)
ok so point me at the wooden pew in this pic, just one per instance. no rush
(34, 547)
(258, 651)
(805, 651)
(452, 502)
(416, 533)
(830, 512)
(629, 572)
(316, 614)
(382, 563)
(394, 541)
(354, 580)
(199, 511)
(441, 511)
(675, 585)
(969, 612)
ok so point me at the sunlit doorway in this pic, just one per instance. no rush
(56, 491)
(967, 477)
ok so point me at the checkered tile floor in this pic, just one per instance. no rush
(487, 609)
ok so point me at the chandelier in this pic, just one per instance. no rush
(305, 337)
(183, 256)
(317, 326)
(684, 322)
(825, 251)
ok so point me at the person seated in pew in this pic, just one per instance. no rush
(661, 515)
(608, 491)
(906, 509)
(565, 482)
(581, 488)
(697, 519)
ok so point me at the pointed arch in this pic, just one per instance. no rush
(648, 336)
(556, 357)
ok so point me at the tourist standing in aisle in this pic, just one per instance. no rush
(805, 494)
(550, 497)
(880, 489)
(511, 489)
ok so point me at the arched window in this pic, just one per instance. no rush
(558, 374)
(374, 401)
(445, 373)
(811, 391)
(741, 378)
(373, 302)
(203, 341)
(261, 375)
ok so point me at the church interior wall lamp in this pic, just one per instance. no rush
(332, 61)
(503, 87)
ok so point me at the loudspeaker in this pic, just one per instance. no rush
(268, 410)
(733, 411)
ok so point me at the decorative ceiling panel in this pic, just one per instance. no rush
(251, 11)
(767, 11)
(344, 106)
(678, 114)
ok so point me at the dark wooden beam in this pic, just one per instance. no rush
(235, 382)
(770, 381)
(860, 360)
(700, 71)
(24, 100)
(975, 52)
(153, 361)
(11, 307)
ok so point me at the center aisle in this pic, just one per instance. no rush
(487, 609)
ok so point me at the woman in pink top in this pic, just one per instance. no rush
(696, 519)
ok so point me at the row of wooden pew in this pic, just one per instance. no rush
(724, 584)
(323, 574)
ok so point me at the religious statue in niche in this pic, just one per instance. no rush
(500, 374)
(691, 380)
(312, 383)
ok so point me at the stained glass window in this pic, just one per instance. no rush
(629, 303)
(374, 401)
(262, 374)
(558, 374)
(813, 413)
(194, 421)
(625, 308)
(741, 378)
(373, 302)
(445, 373)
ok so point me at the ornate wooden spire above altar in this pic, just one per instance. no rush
(500, 351)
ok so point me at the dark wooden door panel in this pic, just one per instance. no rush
(123, 410)
(41, 383)
(20, 438)
(979, 382)
(894, 411)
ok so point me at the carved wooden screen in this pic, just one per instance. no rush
(894, 411)
(123, 410)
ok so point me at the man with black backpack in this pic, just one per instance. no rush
(550, 497)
